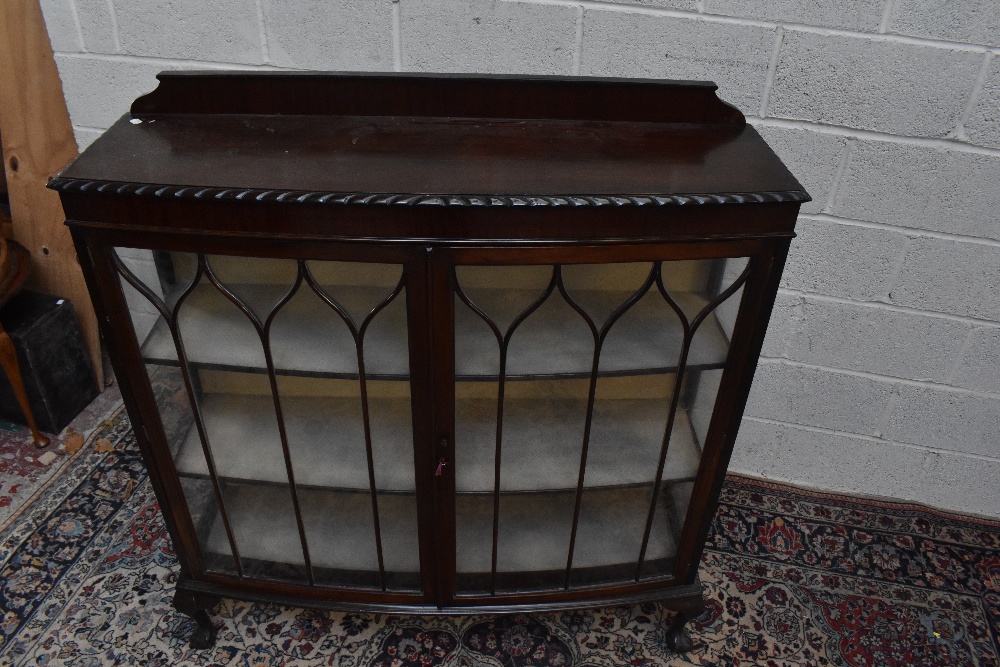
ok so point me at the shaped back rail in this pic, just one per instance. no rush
(451, 95)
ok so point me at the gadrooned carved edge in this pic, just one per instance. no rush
(304, 197)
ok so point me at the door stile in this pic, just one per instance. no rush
(109, 302)
(760, 292)
(427, 408)
(441, 466)
(418, 307)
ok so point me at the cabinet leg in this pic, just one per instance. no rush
(678, 639)
(8, 361)
(196, 606)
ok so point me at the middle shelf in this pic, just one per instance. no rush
(541, 443)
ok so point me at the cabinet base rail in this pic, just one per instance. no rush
(195, 599)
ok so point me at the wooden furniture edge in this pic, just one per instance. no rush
(429, 94)
(195, 192)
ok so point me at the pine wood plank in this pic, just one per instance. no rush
(37, 142)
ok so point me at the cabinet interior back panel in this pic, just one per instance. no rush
(339, 528)
(309, 339)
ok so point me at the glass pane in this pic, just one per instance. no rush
(283, 388)
(373, 298)
(578, 393)
(203, 505)
(696, 399)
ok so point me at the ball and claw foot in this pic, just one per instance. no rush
(678, 639)
(194, 606)
(203, 637)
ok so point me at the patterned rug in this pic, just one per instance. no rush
(25, 469)
(792, 578)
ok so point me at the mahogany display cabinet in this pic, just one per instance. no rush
(431, 343)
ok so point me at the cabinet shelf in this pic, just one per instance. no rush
(339, 528)
(554, 341)
(542, 437)
(308, 339)
(534, 531)
(243, 435)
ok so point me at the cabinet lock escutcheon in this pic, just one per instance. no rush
(442, 461)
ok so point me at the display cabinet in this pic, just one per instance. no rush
(433, 344)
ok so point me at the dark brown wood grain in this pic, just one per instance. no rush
(413, 161)
(416, 140)
(431, 172)
(446, 95)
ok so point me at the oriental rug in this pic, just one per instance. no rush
(792, 578)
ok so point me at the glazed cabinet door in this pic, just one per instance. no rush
(585, 382)
(284, 388)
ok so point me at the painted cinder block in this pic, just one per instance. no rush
(979, 367)
(665, 47)
(484, 36)
(316, 34)
(227, 31)
(949, 481)
(842, 260)
(917, 186)
(871, 84)
(876, 340)
(982, 127)
(688, 5)
(98, 91)
(970, 21)
(946, 419)
(950, 277)
(813, 157)
(861, 15)
(810, 458)
(814, 397)
(787, 308)
(97, 25)
(61, 25)
(85, 136)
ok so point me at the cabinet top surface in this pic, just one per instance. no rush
(392, 139)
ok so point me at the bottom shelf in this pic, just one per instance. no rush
(534, 532)
(533, 537)
(339, 529)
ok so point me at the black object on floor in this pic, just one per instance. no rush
(54, 366)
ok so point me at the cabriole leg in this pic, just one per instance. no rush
(196, 606)
(678, 639)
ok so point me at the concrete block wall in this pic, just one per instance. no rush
(881, 373)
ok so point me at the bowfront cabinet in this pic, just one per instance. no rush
(433, 344)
